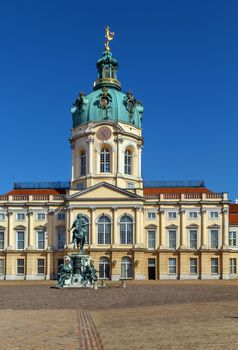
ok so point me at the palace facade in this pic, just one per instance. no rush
(136, 229)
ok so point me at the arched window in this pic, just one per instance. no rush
(126, 230)
(128, 162)
(105, 161)
(104, 230)
(83, 163)
(126, 267)
(104, 267)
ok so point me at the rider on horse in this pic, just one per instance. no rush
(79, 232)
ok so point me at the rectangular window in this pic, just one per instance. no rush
(20, 266)
(172, 239)
(20, 216)
(151, 215)
(214, 265)
(40, 240)
(2, 216)
(1, 267)
(131, 185)
(193, 239)
(40, 216)
(232, 265)
(151, 239)
(172, 214)
(214, 214)
(20, 239)
(61, 237)
(61, 216)
(232, 239)
(192, 214)
(1, 239)
(41, 266)
(172, 265)
(214, 239)
(193, 266)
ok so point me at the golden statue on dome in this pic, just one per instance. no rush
(109, 36)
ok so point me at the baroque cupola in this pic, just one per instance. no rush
(106, 134)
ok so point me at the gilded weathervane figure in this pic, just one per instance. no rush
(109, 36)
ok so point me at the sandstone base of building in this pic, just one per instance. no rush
(139, 277)
(168, 277)
(188, 277)
(210, 277)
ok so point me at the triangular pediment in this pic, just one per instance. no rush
(104, 191)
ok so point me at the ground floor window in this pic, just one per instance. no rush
(20, 266)
(104, 267)
(126, 267)
(193, 265)
(214, 265)
(41, 266)
(1, 267)
(233, 265)
(172, 265)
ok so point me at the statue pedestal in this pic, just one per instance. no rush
(77, 272)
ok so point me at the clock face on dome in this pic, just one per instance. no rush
(104, 133)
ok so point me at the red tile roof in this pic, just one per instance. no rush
(172, 190)
(233, 214)
(233, 208)
(34, 191)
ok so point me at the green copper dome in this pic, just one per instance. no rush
(107, 102)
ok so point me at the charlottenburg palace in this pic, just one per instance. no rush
(136, 229)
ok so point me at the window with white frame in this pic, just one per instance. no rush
(193, 239)
(214, 238)
(20, 266)
(40, 239)
(151, 239)
(20, 216)
(2, 216)
(105, 161)
(126, 267)
(131, 185)
(214, 265)
(126, 230)
(20, 239)
(83, 163)
(192, 215)
(172, 239)
(193, 266)
(172, 215)
(61, 237)
(1, 267)
(1, 239)
(104, 230)
(151, 215)
(128, 162)
(40, 266)
(232, 265)
(60, 216)
(104, 267)
(214, 214)
(232, 239)
(40, 216)
(172, 266)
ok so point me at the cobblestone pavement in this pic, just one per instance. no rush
(145, 315)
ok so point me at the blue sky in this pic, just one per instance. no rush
(178, 57)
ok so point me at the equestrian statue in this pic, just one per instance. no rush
(79, 232)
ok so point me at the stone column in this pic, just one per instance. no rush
(48, 266)
(67, 228)
(90, 157)
(115, 232)
(182, 236)
(225, 228)
(139, 146)
(50, 229)
(29, 241)
(203, 240)
(10, 233)
(162, 233)
(93, 228)
(120, 160)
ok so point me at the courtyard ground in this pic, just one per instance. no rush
(145, 315)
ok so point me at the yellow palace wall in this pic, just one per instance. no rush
(114, 205)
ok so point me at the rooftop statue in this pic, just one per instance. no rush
(109, 36)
